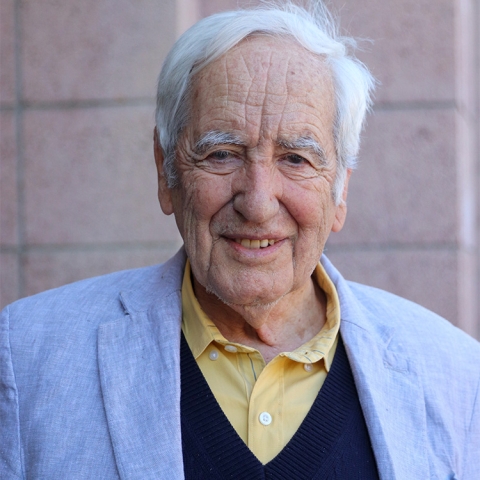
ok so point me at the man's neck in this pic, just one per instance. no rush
(271, 329)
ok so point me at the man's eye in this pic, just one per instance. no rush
(220, 155)
(220, 162)
(295, 159)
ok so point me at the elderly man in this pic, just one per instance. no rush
(242, 357)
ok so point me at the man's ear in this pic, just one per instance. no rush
(341, 209)
(164, 192)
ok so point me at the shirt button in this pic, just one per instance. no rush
(265, 418)
(231, 348)
(308, 367)
(213, 355)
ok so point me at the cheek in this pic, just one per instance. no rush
(312, 208)
(195, 207)
(202, 202)
(209, 194)
(314, 216)
(214, 195)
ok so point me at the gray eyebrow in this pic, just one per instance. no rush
(302, 143)
(215, 137)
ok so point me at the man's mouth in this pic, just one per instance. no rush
(247, 243)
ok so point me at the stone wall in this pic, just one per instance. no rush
(78, 184)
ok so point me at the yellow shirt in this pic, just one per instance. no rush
(265, 403)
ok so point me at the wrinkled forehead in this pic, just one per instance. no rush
(264, 77)
(271, 60)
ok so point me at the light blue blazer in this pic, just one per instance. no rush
(90, 381)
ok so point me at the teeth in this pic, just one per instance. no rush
(247, 243)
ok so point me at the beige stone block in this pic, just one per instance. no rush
(404, 190)
(8, 180)
(54, 268)
(7, 52)
(109, 49)
(90, 177)
(413, 49)
(9, 288)
(427, 277)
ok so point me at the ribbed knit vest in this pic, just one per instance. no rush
(331, 443)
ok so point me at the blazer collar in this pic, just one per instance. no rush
(138, 357)
(388, 386)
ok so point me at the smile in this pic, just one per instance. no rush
(247, 243)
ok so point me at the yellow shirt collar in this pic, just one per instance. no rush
(200, 331)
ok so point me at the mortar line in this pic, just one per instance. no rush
(409, 105)
(89, 103)
(20, 161)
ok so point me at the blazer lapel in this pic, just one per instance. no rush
(392, 401)
(388, 386)
(140, 378)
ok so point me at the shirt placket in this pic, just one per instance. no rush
(266, 411)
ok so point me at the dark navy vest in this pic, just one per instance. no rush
(331, 443)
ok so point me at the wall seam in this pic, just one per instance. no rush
(466, 165)
(20, 163)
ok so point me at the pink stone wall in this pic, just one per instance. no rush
(78, 182)
(78, 186)
(411, 228)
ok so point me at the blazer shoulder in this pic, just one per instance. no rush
(83, 295)
(416, 325)
(94, 300)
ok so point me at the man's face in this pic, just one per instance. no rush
(256, 166)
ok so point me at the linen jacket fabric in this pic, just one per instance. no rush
(90, 381)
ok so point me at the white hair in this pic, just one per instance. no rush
(212, 37)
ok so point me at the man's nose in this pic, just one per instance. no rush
(257, 193)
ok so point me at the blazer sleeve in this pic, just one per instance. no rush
(10, 446)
